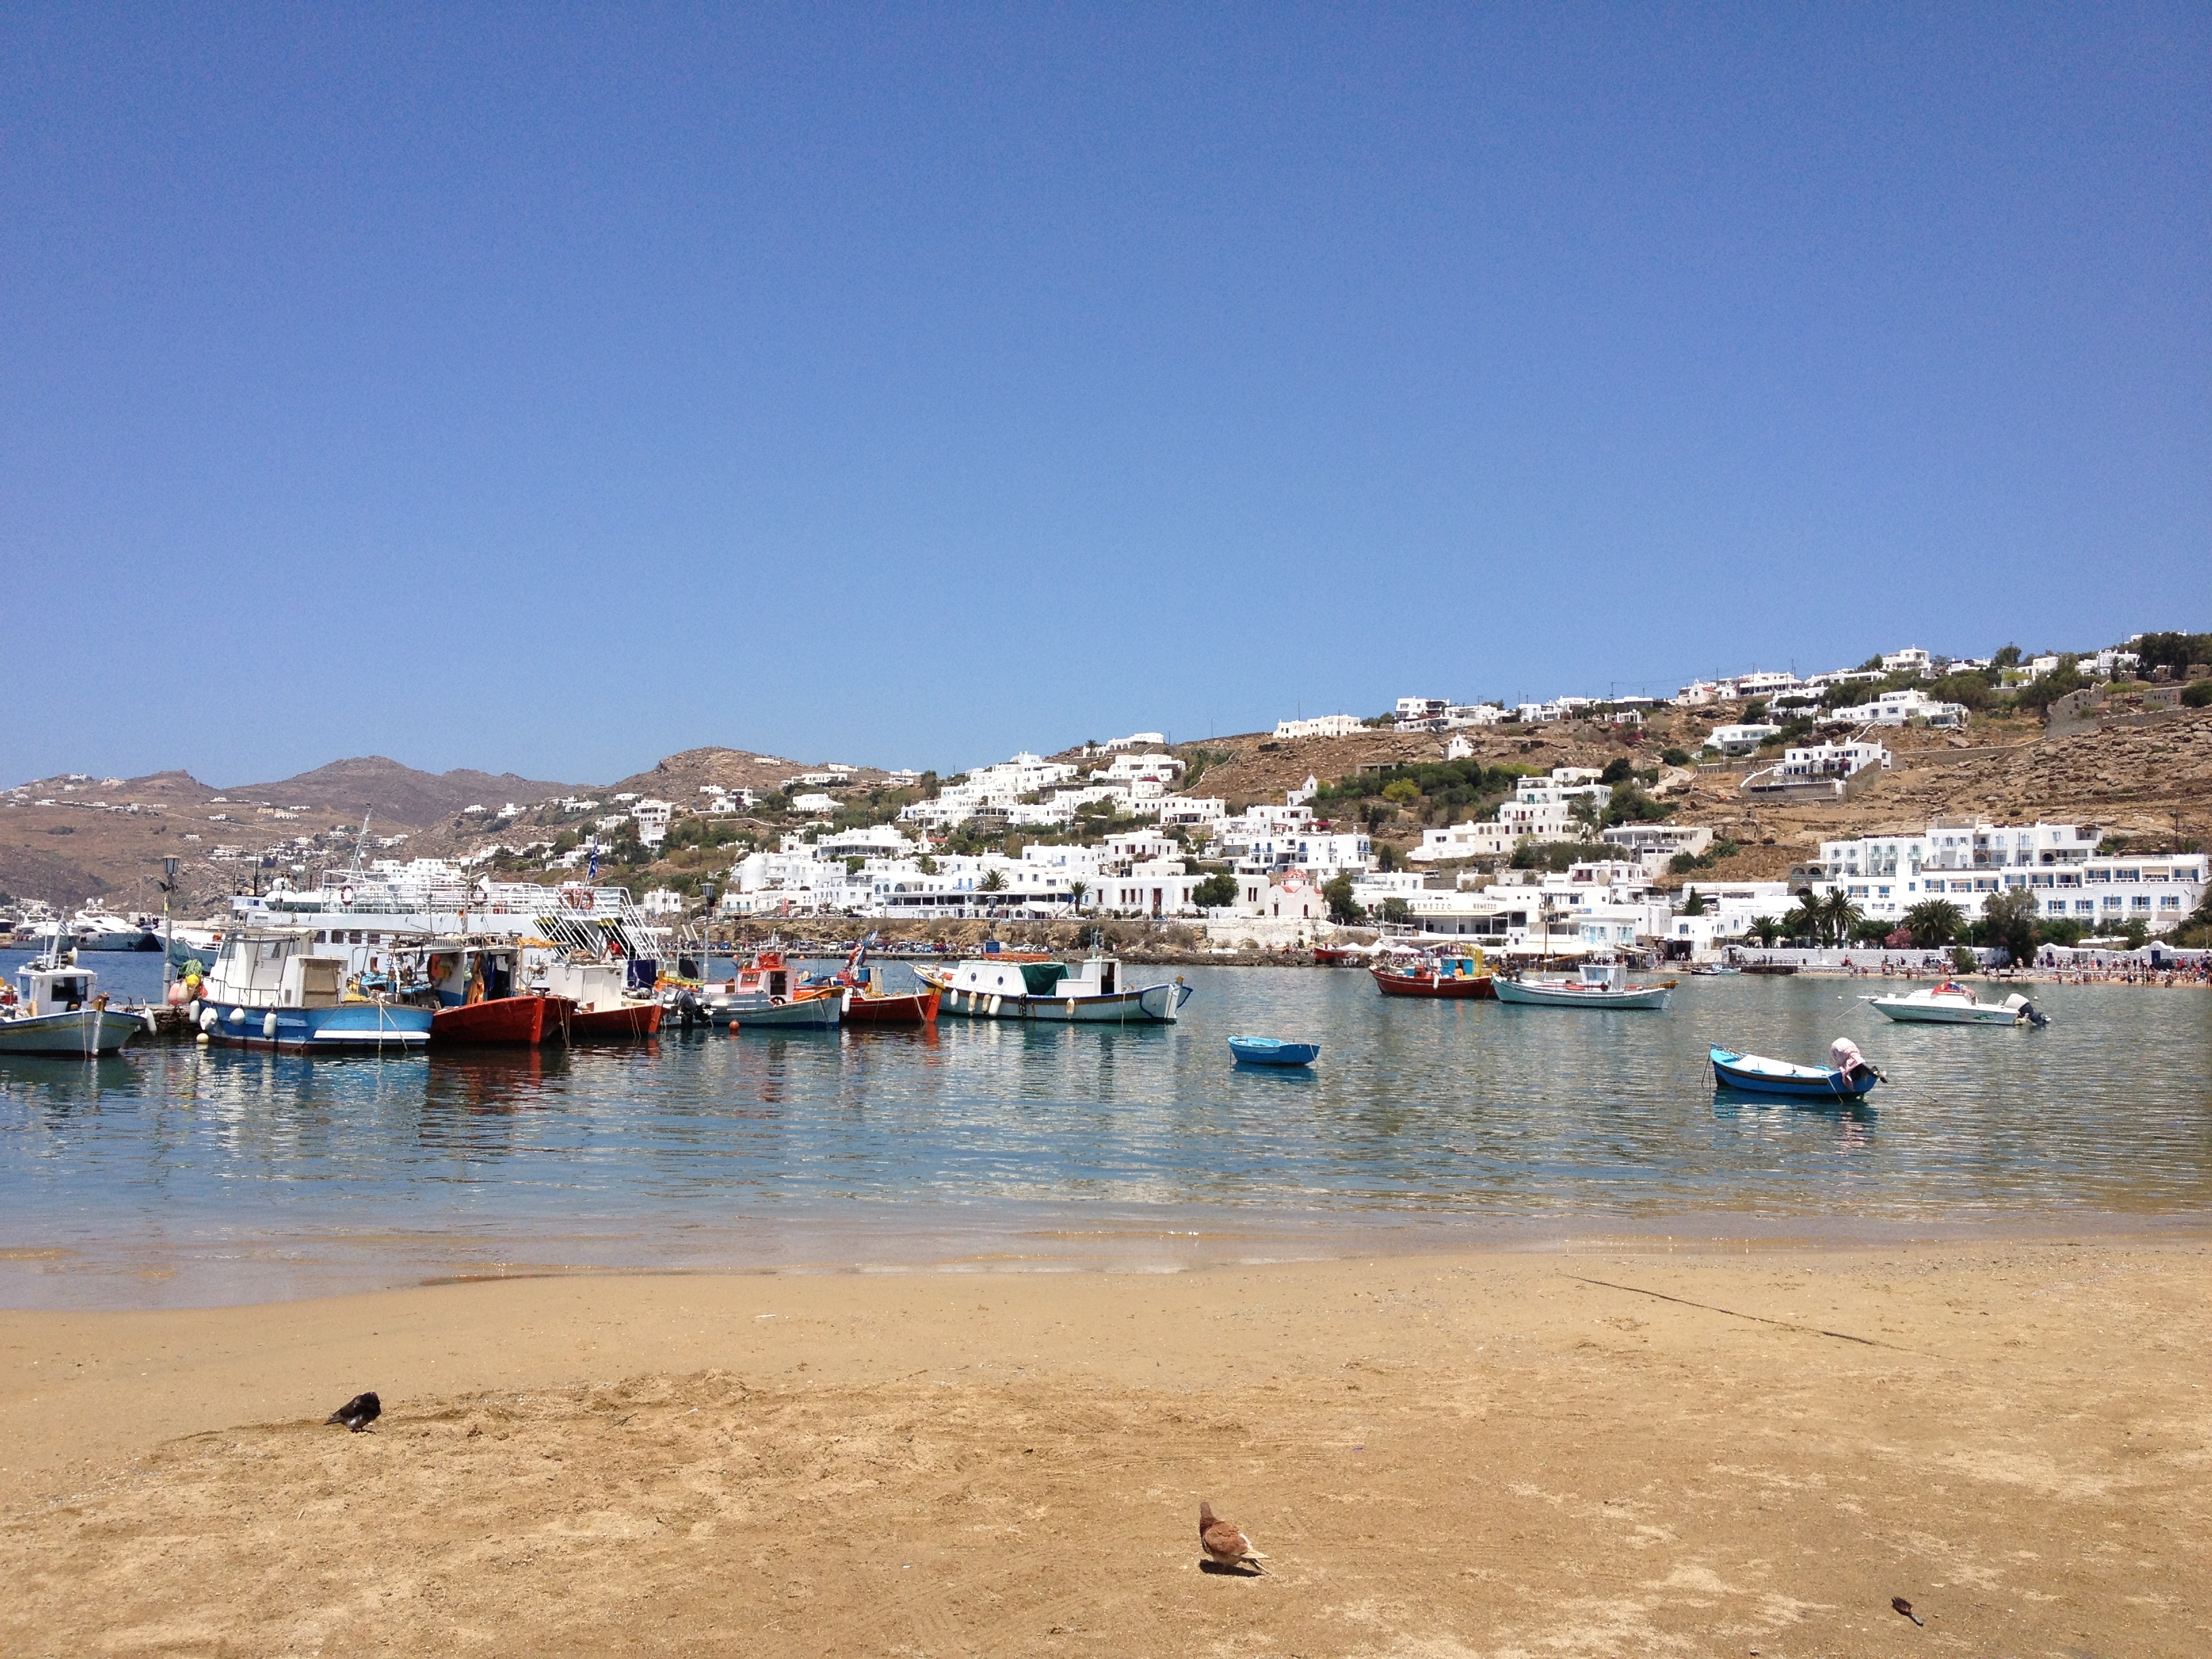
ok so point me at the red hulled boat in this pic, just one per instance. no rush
(625, 1019)
(872, 1008)
(530, 1019)
(1438, 976)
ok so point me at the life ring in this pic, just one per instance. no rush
(345, 895)
(577, 898)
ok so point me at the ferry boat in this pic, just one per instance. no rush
(54, 1008)
(1091, 992)
(269, 989)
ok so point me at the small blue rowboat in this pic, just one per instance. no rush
(1779, 1077)
(1272, 1051)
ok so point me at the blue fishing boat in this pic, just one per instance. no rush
(1272, 1051)
(1849, 1078)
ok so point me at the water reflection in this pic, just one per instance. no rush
(1414, 1107)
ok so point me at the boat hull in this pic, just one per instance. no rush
(1930, 1014)
(1270, 1051)
(1524, 995)
(631, 1021)
(820, 1013)
(528, 1020)
(1736, 1071)
(1155, 1004)
(919, 1008)
(79, 1032)
(349, 1028)
(1474, 986)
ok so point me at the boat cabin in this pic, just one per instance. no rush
(460, 973)
(1098, 976)
(276, 969)
(49, 990)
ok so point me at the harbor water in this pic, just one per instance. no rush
(192, 1175)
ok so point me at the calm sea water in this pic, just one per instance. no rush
(196, 1176)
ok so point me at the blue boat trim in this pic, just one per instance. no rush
(1810, 1083)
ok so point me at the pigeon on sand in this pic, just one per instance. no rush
(1224, 1542)
(358, 1412)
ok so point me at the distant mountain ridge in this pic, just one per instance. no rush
(399, 794)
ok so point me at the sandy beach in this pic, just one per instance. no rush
(1631, 1451)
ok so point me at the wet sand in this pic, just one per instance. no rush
(1440, 1455)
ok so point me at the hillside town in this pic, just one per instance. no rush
(1633, 823)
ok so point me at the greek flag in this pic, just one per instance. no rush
(594, 873)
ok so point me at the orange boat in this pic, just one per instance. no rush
(871, 1007)
(530, 1018)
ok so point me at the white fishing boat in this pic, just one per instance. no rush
(54, 1008)
(272, 989)
(1953, 1004)
(1091, 992)
(1598, 985)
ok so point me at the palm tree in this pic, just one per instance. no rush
(1076, 889)
(993, 883)
(1765, 930)
(1806, 920)
(1934, 921)
(1841, 915)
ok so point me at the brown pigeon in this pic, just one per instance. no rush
(1224, 1542)
(1906, 1607)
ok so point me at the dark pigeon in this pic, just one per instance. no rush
(358, 1412)
(1906, 1607)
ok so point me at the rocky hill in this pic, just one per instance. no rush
(398, 795)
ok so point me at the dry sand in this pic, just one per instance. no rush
(1440, 1456)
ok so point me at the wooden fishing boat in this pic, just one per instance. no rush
(1272, 1051)
(868, 1005)
(1763, 1076)
(55, 1008)
(529, 1018)
(623, 1019)
(270, 990)
(1436, 976)
(1599, 985)
(809, 1010)
(1091, 992)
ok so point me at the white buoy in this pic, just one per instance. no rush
(238, 1017)
(206, 1021)
(269, 1025)
(202, 1039)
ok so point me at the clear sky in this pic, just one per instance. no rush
(552, 388)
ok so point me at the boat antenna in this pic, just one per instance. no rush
(360, 841)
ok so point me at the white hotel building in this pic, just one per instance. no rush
(1968, 863)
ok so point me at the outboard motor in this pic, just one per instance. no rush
(2026, 1009)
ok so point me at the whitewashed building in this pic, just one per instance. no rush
(1321, 726)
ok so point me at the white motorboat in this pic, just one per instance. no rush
(1092, 992)
(54, 1008)
(1953, 1004)
(1599, 985)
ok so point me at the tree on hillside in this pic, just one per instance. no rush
(1934, 921)
(1342, 907)
(1695, 904)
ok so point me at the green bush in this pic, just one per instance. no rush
(2199, 695)
(1215, 891)
(1675, 757)
(1964, 960)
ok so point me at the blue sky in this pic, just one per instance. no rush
(553, 388)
